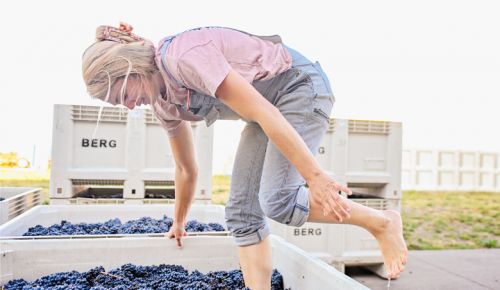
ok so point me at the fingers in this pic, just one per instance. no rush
(343, 208)
(341, 205)
(336, 204)
(343, 188)
(179, 242)
(327, 192)
(331, 204)
(344, 204)
(177, 236)
(341, 200)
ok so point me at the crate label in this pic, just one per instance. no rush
(307, 232)
(98, 143)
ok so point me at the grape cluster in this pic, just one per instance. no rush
(144, 225)
(131, 276)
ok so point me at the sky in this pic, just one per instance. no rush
(432, 65)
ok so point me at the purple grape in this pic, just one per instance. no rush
(130, 276)
(144, 225)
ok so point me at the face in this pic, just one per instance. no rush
(133, 95)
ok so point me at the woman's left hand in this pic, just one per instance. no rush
(177, 231)
(325, 191)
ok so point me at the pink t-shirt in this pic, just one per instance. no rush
(201, 59)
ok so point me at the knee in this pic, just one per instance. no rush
(274, 210)
(287, 206)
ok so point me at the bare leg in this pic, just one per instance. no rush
(256, 265)
(385, 225)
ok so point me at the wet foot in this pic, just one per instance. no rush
(392, 244)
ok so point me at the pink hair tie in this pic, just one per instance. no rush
(125, 27)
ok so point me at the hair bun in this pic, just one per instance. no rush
(123, 34)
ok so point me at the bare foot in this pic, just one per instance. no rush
(391, 242)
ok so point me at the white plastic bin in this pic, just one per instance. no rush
(17, 200)
(48, 215)
(115, 201)
(339, 245)
(129, 156)
(29, 260)
(364, 153)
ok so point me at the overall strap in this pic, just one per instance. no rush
(163, 51)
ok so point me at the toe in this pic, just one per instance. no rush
(389, 272)
(394, 271)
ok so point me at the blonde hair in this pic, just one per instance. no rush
(106, 62)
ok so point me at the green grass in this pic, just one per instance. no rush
(451, 220)
(220, 189)
(432, 220)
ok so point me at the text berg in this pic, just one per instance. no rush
(307, 232)
(98, 143)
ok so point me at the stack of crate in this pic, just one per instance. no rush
(128, 160)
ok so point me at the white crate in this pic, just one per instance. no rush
(446, 178)
(116, 201)
(450, 170)
(468, 160)
(364, 153)
(486, 180)
(48, 215)
(338, 245)
(17, 200)
(425, 178)
(130, 155)
(29, 260)
(447, 159)
(425, 159)
(488, 161)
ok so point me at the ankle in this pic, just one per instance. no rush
(380, 225)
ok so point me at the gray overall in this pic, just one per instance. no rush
(264, 182)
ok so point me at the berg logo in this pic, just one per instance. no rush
(98, 143)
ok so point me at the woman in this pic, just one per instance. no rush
(220, 73)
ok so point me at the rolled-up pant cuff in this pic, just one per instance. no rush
(253, 238)
(300, 211)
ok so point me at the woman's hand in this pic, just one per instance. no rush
(177, 231)
(325, 191)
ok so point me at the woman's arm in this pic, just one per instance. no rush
(244, 99)
(186, 173)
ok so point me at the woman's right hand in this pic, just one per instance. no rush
(177, 231)
(325, 191)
